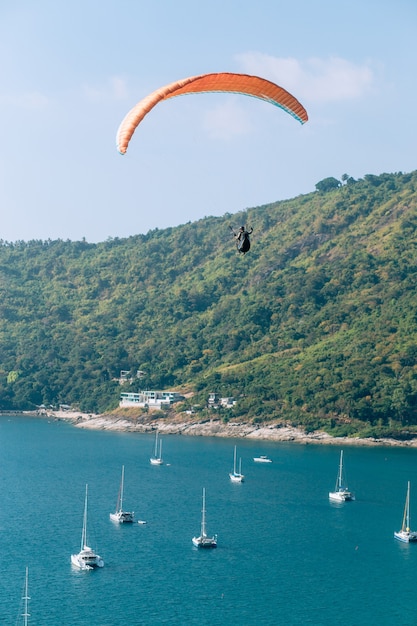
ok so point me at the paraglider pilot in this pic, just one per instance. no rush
(242, 239)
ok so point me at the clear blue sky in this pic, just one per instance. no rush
(70, 71)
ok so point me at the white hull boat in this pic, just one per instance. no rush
(341, 493)
(121, 516)
(203, 541)
(86, 559)
(405, 534)
(156, 459)
(236, 476)
(262, 459)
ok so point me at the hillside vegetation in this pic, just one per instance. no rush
(316, 325)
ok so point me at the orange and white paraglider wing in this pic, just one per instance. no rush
(220, 82)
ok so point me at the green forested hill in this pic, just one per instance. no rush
(317, 324)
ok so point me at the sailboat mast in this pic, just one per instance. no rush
(84, 533)
(340, 469)
(203, 516)
(26, 599)
(234, 462)
(408, 506)
(121, 487)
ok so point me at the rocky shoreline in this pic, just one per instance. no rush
(216, 428)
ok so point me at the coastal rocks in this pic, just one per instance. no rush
(176, 425)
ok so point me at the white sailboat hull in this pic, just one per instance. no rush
(122, 517)
(406, 536)
(87, 559)
(236, 478)
(340, 496)
(205, 542)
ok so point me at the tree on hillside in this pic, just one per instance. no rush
(327, 184)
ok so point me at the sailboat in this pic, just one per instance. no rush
(236, 476)
(405, 534)
(86, 558)
(123, 517)
(203, 541)
(341, 493)
(156, 459)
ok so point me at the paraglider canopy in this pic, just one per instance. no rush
(220, 82)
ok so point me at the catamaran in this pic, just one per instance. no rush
(121, 516)
(156, 459)
(405, 534)
(203, 541)
(341, 493)
(236, 476)
(86, 558)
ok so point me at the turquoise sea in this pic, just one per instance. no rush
(285, 554)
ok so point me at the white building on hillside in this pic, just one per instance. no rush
(215, 401)
(151, 399)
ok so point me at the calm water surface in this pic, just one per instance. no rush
(285, 554)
